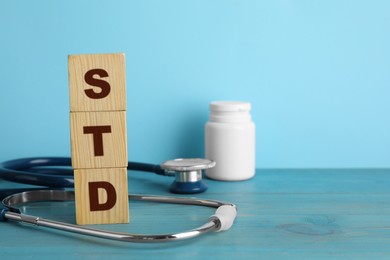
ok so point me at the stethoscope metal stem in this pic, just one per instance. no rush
(190, 176)
(209, 226)
(216, 222)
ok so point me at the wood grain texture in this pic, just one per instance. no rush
(114, 65)
(117, 177)
(282, 214)
(97, 86)
(114, 143)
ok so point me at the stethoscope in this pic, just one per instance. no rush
(55, 173)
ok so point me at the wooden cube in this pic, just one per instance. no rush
(101, 196)
(97, 82)
(98, 139)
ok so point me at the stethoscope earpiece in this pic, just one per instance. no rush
(188, 174)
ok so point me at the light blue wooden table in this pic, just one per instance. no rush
(293, 214)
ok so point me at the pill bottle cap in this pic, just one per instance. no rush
(230, 106)
(230, 112)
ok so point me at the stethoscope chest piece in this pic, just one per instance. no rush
(188, 174)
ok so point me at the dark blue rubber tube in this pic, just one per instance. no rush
(53, 172)
(3, 210)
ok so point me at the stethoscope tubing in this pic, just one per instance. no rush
(56, 174)
(37, 171)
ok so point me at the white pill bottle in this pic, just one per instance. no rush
(230, 141)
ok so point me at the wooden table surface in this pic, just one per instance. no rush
(292, 214)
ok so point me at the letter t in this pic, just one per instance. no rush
(97, 132)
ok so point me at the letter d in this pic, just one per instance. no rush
(94, 196)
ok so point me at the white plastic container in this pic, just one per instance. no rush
(230, 141)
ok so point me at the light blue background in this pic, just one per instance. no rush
(316, 72)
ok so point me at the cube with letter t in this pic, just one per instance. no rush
(97, 86)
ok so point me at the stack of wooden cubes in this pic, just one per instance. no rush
(97, 84)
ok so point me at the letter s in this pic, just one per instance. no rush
(103, 85)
